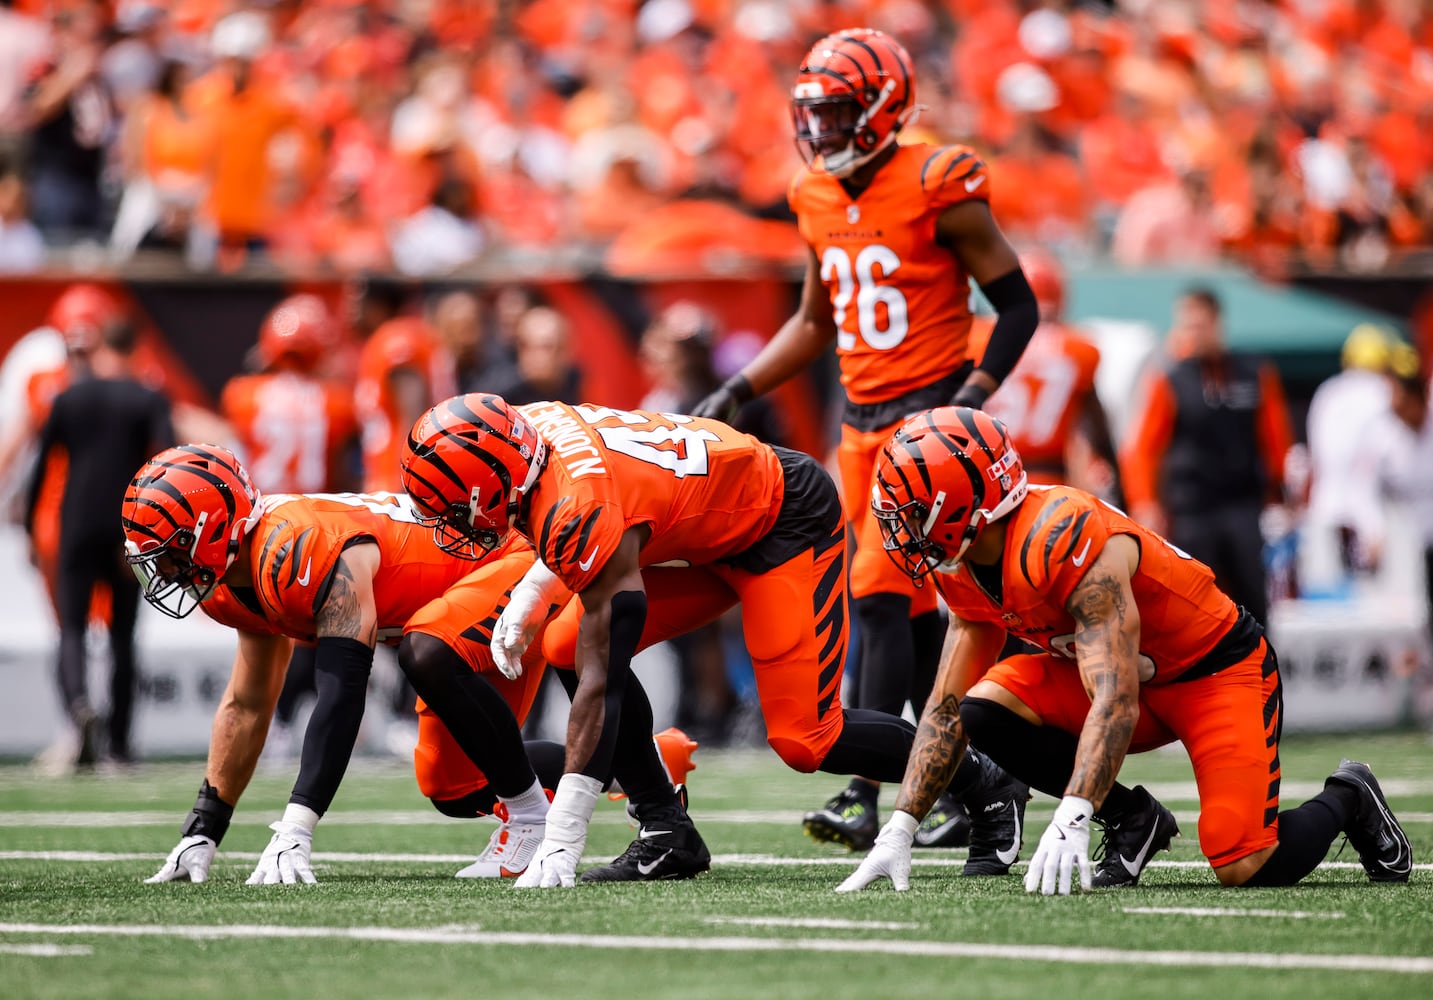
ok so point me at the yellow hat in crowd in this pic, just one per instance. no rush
(1368, 347)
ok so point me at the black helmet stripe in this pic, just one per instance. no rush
(853, 61)
(875, 56)
(143, 501)
(135, 528)
(977, 489)
(918, 460)
(202, 452)
(967, 417)
(824, 71)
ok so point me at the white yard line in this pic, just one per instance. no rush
(925, 859)
(45, 950)
(1210, 911)
(814, 923)
(1417, 965)
(1038, 813)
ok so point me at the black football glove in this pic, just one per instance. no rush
(724, 403)
(970, 395)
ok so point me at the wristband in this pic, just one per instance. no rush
(904, 822)
(301, 816)
(210, 816)
(970, 395)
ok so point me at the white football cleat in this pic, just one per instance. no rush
(509, 851)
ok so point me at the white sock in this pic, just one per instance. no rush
(529, 807)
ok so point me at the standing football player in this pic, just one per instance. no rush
(896, 233)
(1138, 648)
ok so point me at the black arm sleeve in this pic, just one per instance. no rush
(48, 436)
(1019, 315)
(341, 669)
(629, 615)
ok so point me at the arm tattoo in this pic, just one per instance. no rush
(939, 746)
(341, 615)
(1107, 650)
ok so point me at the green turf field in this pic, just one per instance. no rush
(387, 918)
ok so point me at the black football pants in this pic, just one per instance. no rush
(83, 563)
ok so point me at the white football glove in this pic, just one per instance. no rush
(189, 861)
(1064, 847)
(890, 857)
(555, 863)
(520, 621)
(286, 859)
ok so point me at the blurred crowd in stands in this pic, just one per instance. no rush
(414, 135)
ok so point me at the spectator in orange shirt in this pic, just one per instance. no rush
(249, 115)
(1206, 453)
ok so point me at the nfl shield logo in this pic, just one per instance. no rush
(853, 214)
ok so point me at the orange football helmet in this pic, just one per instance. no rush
(185, 514)
(297, 331)
(82, 313)
(855, 90)
(941, 477)
(467, 464)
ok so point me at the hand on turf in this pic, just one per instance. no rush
(189, 861)
(555, 863)
(286, 859)
(1064, 847)
(553, 866)
(890, 857)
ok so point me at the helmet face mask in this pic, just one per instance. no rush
(186, 515)
(854, 93)
(455, 533)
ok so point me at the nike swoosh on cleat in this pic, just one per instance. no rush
(1009, 857)
(649, 834)
(1142, 855)
(647, 869)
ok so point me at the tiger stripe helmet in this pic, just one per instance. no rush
(467, 464)
(942, 476)
(185, 514)
(854, 92)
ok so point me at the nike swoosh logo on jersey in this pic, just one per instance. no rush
(1137, 865)
(1083, 552)
(586, 564)
(302, 581)
(974, 182)
(1009, 857)
(649, 834)
(650, 867)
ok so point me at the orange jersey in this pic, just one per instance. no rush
(292, 428)
(1052, 539)
(899, 298)
(396, 345)
(294, 549)
(1041, 400)
(40, 393)
(708, 492)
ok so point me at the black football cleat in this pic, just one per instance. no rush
(946, 825)
(849, 819)
(1382, 846)
(1130, 840)
(997, 819)
(668, 847)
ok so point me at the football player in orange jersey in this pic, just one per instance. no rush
(895, 232)
(1048, 402)
(402, 370)
(1139, 648)
(605, 493)
(347, 571)
(293, 425)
